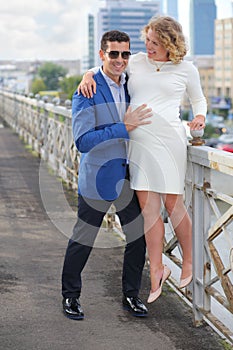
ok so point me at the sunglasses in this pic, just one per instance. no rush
(115, 54)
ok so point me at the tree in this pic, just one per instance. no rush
(37, 85)
(51, 73)
(69, 85)
(210, 131)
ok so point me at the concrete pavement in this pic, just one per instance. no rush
(32, 251)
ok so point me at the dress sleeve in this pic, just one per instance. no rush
(94, 69)
(195, 93)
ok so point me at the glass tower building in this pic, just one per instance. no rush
(202, 19)
(91, 41)
(171, 8)
(128, 16)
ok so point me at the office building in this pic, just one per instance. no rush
(205, 66)
(171, 8)
(91, 41)
(224, 58)
(202, 17)
(128, 16)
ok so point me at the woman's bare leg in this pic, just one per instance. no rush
(150, 203)
(181, 223)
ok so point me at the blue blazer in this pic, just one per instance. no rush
(101, 138)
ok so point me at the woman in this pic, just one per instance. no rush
(158, 151)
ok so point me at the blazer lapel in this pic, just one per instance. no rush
(107, 96)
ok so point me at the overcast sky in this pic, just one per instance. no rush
(56, 29)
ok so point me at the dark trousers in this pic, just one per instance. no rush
(90, 217)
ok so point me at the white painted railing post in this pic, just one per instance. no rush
(68, 145)
(201, 258)
(45, 147)
(198, 241)
(206, 253)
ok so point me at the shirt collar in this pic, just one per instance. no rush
(111, 82)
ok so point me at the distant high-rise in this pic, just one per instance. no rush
(91, 41)
(202, 17)
(128, 16)
(223, 63)
(171, 8)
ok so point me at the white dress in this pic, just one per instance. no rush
(158, 151)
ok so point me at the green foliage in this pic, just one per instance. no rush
(37, 85)
(209, 131)
(51, 73)
(226, 345)
(50, 93)
(69, 85)
(222, 112)
(185, 115)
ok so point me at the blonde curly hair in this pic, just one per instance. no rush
(170, 36)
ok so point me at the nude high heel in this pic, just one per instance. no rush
(185, 281)
(154, 295)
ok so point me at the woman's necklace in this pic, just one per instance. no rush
(158, 67)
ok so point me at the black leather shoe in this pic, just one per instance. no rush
(135, 306)
(72, 308)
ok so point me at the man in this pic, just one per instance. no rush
(100, 128)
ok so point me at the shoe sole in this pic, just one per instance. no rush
(76, 318)
(135, 314)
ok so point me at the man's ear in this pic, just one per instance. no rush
(101, 54)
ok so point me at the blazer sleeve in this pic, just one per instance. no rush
(86, 133)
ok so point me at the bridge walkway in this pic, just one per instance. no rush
(32, 251)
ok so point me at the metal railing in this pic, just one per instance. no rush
(208, 196)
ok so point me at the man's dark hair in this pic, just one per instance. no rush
(113, 35)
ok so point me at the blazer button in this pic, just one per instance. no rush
(123, 164)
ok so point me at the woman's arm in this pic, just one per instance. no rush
(87, 85)
(197, 99)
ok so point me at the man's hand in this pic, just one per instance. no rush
(138, 117)
(87, 85)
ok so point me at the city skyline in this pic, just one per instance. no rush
(58, 29)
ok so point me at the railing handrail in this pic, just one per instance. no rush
(212, 158)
